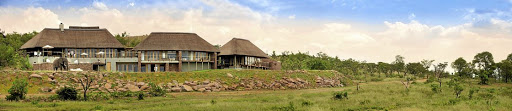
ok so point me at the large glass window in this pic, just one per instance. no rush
(185, 55)
(171, 55)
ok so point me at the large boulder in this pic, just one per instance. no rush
(46, 89)
(140, 84)
(35, 76)
(132, 88)
(145, 87)
(108, 85)
(187, 88)
(176, 89)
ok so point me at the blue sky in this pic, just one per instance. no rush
(432, 12)
(371, 30)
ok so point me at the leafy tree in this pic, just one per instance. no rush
(439, 70)
(505, 70)
(18, 90)
(415, 68)
(426, 64)
(10, 55)
(399, 64)
(485, 66)
(460, 65)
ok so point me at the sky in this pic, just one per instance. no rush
(369, 30)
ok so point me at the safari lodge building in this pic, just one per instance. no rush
(172, 51)
(87, 48)
(95, 48)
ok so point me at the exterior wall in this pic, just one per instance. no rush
(194, 66)
(77, 62)
(49, 66)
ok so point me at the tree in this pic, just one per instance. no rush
(86, 81)
(439, 70)
(399, 64)
(505, 70)
(460, 65)
(415, 68)
(485, 65)
(426, 64)
(18, 90)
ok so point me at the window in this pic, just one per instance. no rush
(143, 68)
(185, 55)
(171, 55)
(130, 67)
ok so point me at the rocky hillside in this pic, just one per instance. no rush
(203, 81)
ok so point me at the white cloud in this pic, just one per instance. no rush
(412, 16)
(27, 20)
(219, 21)
(132, 4)
(291, 17)
(99, 5)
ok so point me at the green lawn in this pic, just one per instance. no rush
(388, 94)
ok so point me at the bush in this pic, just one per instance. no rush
(18, 90)
(307, 103)
(140, 96)
(430, 80)
(340, 95)
(156, 90)
(472, 91)
(435, 88)
(376, 79)
(67, 93)
(290, 107)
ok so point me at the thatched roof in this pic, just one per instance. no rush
(175, 41)
(74, 38)
(239, 46)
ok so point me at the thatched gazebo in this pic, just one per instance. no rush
(241, 53)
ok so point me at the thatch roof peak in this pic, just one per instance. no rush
(239, 46)
(175, 41)
(73, 38)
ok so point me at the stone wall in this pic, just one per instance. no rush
(43, 66)
(83, 66)
(102, 84)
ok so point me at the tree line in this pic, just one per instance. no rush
(482, 66)
(10, 53)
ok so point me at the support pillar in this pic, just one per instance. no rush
(167, 67)
(139, 64)
(179, 61)
(214, 60)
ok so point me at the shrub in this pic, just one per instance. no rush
(156, 90)
(18, 90)
(290, 107)
(67, 93)
(472, 91)
(435, 88)
(430, 80)
(307, 103)
(340, 95)
(140, 96)
(376, 79)
(213, 102)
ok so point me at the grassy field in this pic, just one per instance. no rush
(388, 94)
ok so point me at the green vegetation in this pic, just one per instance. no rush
(10, 54)
(67, 93)
(127, 41)
(18, 90)
(388, 94)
